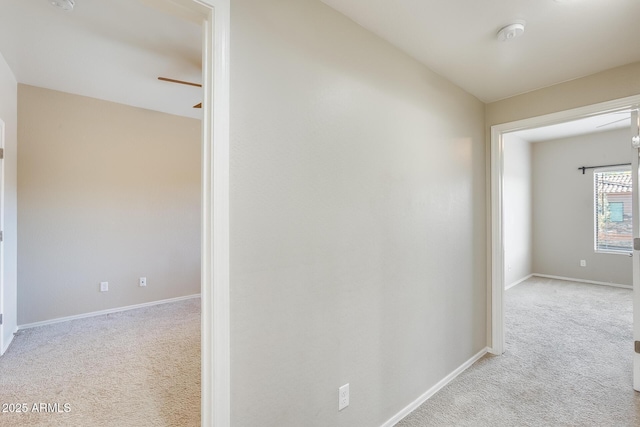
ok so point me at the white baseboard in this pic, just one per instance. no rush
(433, 390)
(102, 312)
(517, 282)
(591, 282)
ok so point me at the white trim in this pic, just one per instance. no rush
(497, 251)
(635, 133)
(103, 312)
(216, 353)
(517, 282)
(3, 346)
(591, 282)
(9, 309)
(8, 343)
(495, 262)
(630, 253)
(433, 390)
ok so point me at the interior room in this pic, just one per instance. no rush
(549, 219)
(324, 242)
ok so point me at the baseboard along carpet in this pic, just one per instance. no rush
(568, 362)
(133, 368)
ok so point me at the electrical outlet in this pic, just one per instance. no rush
(142, 281)
(104, 286)
(583, 263)
(343, 397)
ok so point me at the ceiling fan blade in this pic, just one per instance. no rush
(164, 79)
(198, 105)
(610, 123)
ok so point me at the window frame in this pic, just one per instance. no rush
(595, 194)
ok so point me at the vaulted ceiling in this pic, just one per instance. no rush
(116, 49)
(563, 39)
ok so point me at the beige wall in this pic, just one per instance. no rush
(563, 211)
(517, 217)
(357, 220)
(106, 192)
(8, 114)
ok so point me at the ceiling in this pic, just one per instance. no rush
(587, 125)
(563, 39)
(107, 49)
(116, 49)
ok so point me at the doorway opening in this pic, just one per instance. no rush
(499, 134)
(214, 17)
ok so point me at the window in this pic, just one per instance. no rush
(613, 217)
(616, 211)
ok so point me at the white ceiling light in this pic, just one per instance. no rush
(511, 31)
(63, 4)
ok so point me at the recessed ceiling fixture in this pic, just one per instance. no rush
(63, 4)
(511, 31)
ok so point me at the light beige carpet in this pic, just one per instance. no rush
(135, 368)
(568, 362)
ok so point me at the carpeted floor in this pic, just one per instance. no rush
(568, 362)
(134, 368)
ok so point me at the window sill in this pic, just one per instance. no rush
(630, 253)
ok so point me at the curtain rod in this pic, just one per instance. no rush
(583, 168)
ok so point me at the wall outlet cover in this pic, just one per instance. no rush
(343, 397)
(104, 286)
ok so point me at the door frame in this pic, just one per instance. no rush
(495, 286)
(4, 343)
(634, 133)
(215, 332)
(215, 329)
(214, 15)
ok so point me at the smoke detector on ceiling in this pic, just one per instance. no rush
(511, 31)
(63, 4)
